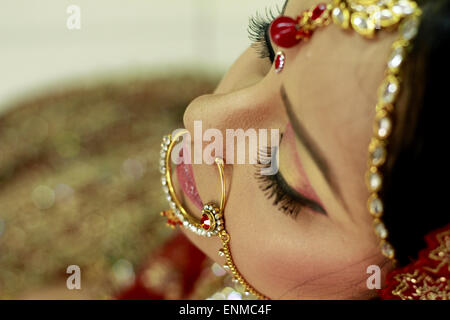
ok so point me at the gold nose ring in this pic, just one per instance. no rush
(211, 222)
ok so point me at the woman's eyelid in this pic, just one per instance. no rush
(290, 194)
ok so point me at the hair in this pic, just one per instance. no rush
(416, 175)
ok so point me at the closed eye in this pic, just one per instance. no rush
(258, 33)
(275, 188)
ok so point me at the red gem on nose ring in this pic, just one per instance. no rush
(283, 31)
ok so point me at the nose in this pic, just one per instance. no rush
(248, 69)
(251, 107)
(240, 100)
(236, 118)
(247, 98)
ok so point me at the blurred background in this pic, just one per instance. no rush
(82, 112)
(141, 36)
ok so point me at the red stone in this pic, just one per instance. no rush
(283, 32)
(279, 62)
(318, 11)
(206, 223)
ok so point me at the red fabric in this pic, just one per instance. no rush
(430, 271)
(185, 260)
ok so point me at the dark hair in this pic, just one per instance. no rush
(416, 191)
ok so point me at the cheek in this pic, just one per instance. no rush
(310, 257)
(258, 237)
(269, 248)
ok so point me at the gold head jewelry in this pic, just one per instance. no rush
(368, 16)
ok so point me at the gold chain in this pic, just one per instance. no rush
(230, 266)
(388, 93)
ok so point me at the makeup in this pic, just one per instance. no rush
(302, 184)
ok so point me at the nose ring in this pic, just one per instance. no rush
(211, 222)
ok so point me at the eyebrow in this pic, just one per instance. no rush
(309, 144)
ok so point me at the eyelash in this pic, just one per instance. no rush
(274, 186)
(258, 32)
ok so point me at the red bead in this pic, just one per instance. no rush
(279, 62)
(206, 223)
(318, 10)
(283, 32)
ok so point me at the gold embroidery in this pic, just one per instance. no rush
(422, 285)
(441, 253)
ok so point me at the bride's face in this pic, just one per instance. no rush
(323, 103)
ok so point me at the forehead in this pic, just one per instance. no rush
(332, 82)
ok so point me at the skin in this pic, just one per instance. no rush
(332, 83)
